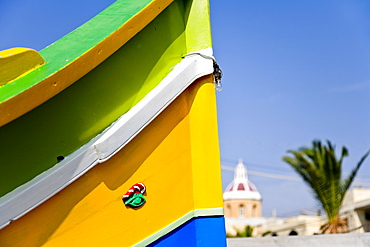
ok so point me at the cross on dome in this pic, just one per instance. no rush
(240, 174)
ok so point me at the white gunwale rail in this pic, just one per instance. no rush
(102, 147)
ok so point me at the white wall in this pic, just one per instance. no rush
(332, 240)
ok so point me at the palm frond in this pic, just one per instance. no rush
(347, 182)
(322, 171)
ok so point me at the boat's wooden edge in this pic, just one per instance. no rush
(62, 69)
(28, 196)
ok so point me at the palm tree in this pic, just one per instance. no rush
(322, 171)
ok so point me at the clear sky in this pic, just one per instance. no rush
(294, 71)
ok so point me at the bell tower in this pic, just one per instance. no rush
(241, 197)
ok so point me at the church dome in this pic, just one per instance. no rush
(241, 187)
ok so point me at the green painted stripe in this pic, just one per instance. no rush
(179, 222)
(91, 33)
(31, 144)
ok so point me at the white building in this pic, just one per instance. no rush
(356, 209)
(243, 207)
(242, 203)
(241, 197)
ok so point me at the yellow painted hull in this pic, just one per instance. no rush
(176, 157)
(128, 97)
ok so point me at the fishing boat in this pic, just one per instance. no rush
(109, 137)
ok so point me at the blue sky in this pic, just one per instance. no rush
(294, 71)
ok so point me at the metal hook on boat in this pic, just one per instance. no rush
(217, 72)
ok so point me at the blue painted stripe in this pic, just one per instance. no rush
(201, 231)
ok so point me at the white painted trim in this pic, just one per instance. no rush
(179, 222)
(253, 195)
(102, 147)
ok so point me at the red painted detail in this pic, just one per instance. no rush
(136, 188)
(231, 188)
(241, 187)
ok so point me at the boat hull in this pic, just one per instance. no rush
(133, 105)
(177, 168)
